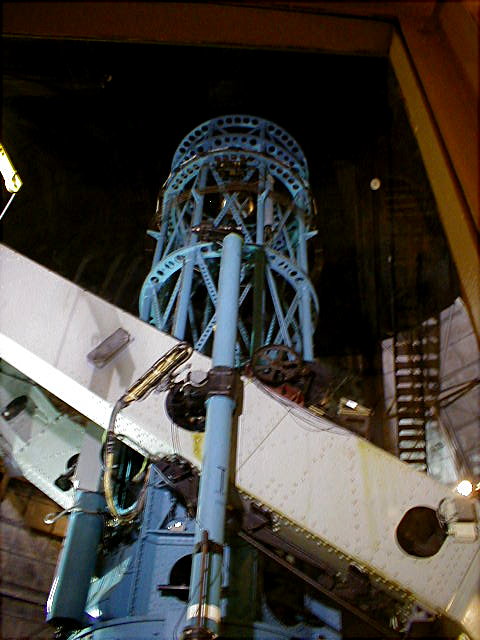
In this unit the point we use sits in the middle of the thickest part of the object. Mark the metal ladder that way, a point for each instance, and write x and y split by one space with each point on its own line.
416 368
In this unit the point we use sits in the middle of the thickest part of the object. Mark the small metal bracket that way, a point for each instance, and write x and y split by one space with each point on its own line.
208 232
209 547
109 348
197 633
51 518
223 381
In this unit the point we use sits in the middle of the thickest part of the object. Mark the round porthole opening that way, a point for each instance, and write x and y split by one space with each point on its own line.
419 533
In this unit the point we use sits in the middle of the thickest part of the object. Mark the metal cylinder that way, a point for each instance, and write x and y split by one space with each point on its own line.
206 577
68 595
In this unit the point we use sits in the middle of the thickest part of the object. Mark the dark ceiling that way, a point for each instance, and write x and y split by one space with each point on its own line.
92 128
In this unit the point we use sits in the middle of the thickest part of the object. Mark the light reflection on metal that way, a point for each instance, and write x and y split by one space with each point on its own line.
10 175
163 367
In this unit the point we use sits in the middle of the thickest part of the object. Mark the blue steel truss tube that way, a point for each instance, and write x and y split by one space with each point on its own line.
305 306
206 576
186 281
245 173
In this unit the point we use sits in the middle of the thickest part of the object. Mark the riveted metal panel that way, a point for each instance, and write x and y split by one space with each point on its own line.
331 488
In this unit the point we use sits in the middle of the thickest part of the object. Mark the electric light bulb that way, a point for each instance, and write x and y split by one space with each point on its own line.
464 488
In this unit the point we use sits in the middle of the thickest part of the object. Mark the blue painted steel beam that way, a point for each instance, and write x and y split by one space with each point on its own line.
186 280
215 467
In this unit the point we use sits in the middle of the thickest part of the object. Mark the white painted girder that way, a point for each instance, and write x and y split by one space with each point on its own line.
335 488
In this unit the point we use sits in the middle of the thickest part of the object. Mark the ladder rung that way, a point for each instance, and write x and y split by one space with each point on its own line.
411 433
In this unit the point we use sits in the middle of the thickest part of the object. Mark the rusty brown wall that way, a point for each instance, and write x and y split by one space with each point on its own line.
28 555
